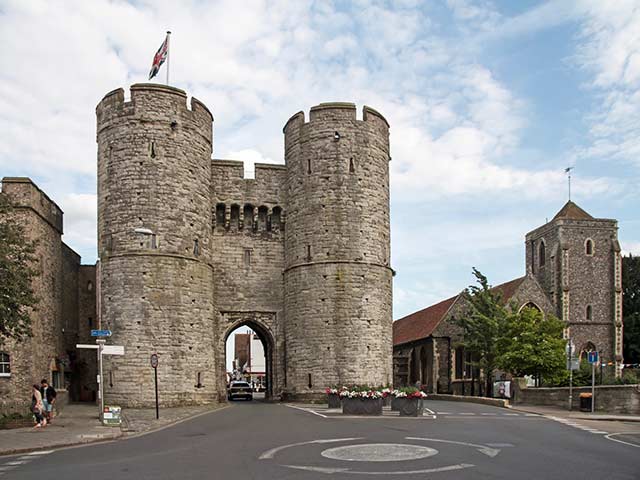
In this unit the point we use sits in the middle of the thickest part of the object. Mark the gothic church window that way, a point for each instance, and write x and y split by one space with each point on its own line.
541 253
588 247
5 365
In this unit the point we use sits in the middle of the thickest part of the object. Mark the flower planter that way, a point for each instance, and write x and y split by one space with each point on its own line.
362 406
334 400
386 401
395 404
409 407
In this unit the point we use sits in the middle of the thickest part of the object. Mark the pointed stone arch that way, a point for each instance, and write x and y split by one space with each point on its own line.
263 324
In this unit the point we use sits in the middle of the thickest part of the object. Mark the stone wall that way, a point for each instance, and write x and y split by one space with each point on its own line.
47 350
248 241
624 399
86 366
337 276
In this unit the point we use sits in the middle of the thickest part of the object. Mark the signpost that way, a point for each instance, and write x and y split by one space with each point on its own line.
102 350
593 359
154 365
572 364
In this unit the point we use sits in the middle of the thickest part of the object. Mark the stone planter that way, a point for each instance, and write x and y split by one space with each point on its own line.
333 399
362 406
386 401
410 407
395 405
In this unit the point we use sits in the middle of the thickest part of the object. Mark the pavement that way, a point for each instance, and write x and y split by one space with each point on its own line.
255 440
576 414
78 424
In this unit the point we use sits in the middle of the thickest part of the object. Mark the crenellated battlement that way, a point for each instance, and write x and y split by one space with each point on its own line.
22 192
154 102
335 112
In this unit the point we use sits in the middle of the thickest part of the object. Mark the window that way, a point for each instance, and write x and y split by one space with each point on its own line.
247 256
154 241
196 247
5 365
352 167
459 362
588 247
541 253
220 213
309 166
589 312
57 378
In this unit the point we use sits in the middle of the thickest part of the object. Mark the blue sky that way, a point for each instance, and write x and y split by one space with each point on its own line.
488 103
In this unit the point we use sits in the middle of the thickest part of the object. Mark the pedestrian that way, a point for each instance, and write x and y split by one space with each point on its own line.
48 399
37 407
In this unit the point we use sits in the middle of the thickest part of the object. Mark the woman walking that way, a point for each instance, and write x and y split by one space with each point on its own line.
37 407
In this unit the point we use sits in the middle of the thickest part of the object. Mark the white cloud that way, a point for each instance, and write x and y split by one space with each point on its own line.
631 248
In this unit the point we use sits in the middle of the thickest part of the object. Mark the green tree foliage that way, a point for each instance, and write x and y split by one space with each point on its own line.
483 324
531 344
17 298
631 308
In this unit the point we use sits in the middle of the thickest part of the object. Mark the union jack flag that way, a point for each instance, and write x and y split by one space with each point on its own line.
159 58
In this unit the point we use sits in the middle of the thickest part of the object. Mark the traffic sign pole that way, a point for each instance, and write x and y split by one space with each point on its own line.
154 365
100 343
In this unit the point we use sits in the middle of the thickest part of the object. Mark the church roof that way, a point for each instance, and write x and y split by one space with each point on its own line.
572 212
422 323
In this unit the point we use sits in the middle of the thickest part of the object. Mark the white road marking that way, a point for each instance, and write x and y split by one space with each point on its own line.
449 468
308 410
271 453
531 415
611 435
443 413
488 451
42 452
510 414
4 468
488 414
16 463
466 413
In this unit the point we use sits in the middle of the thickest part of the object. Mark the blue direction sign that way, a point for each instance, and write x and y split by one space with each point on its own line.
593 357
100 333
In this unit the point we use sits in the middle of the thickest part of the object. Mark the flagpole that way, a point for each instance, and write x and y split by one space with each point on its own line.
168 54
568 172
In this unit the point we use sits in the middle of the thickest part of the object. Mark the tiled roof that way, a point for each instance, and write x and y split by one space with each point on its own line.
573 212
422 323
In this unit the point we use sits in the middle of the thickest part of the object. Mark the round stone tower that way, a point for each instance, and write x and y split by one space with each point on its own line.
338 282
154 241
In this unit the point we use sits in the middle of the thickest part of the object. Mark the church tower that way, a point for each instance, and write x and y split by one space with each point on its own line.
576 259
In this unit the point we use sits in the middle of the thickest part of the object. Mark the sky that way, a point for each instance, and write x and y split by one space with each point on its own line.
488 102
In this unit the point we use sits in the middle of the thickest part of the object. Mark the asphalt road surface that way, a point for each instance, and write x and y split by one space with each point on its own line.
255 440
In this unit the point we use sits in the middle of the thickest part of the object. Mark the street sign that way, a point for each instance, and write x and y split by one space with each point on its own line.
154 360
573 364
592 357
113 350
106 349
100 333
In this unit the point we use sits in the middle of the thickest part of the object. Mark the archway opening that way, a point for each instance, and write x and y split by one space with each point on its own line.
248 358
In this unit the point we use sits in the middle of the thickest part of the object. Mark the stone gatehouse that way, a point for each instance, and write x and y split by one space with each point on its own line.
190 249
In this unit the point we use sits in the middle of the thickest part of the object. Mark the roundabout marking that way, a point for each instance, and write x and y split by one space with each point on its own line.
379 452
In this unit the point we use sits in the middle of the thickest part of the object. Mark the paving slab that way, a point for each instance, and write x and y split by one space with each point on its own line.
78 424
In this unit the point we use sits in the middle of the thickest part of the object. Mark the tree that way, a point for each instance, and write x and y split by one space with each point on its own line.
482 325
631 308
531 344
17 258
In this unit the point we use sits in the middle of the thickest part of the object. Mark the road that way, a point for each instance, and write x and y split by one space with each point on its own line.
255 440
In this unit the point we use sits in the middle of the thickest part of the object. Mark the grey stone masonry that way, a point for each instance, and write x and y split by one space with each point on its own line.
576 260
337 274
191 249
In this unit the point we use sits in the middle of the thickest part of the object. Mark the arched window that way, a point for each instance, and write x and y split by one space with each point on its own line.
5 365
530 305
542 253
235 216
589 312
263 212
276 218
589 347
588 247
